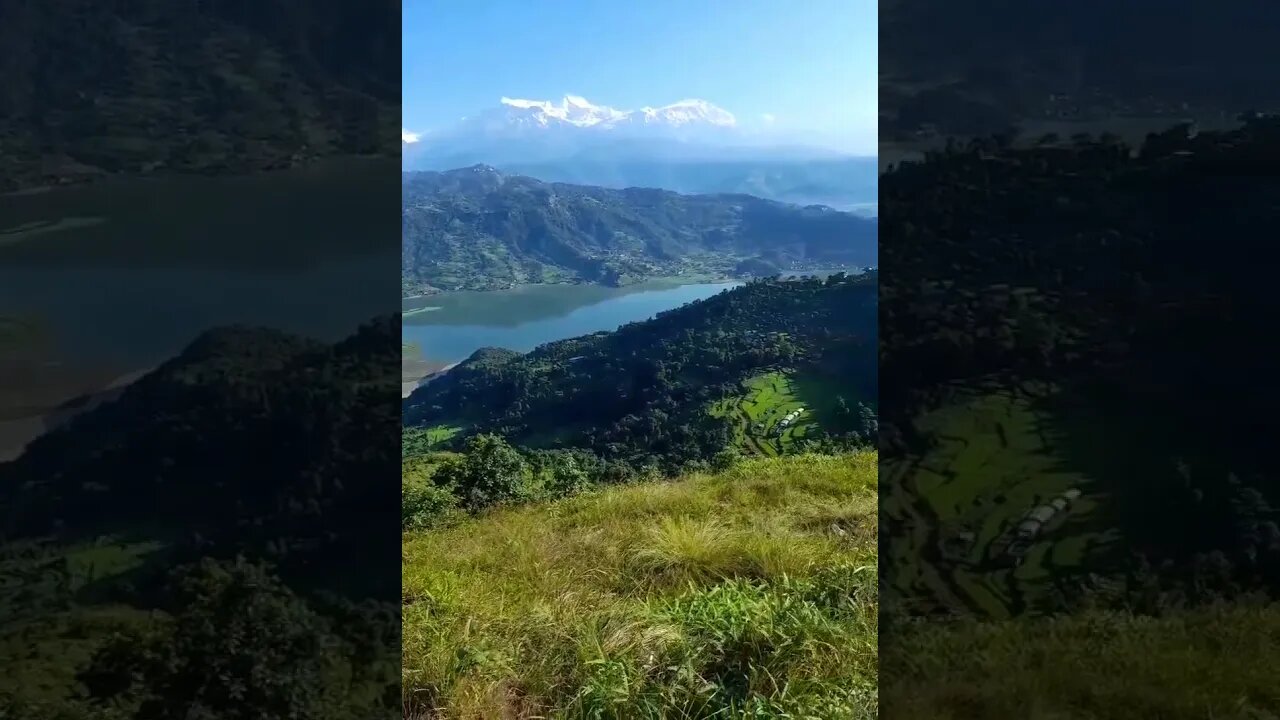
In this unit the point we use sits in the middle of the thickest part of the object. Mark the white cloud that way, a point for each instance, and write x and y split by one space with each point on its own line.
769 118
409 137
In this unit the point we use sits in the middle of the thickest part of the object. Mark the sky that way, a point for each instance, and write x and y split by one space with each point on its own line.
804 69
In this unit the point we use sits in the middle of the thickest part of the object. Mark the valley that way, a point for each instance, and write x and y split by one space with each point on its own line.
454 325
680 511
661 392
640 487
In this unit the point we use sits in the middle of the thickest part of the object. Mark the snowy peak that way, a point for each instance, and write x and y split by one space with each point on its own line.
689 111
577 111
523 130
571 110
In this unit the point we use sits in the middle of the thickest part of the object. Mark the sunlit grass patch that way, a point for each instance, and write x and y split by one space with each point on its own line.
708 597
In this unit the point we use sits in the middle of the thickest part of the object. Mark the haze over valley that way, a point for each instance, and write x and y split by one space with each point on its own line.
691 146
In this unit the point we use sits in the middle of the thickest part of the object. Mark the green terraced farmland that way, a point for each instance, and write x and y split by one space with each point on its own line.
422 440
959 505
758 414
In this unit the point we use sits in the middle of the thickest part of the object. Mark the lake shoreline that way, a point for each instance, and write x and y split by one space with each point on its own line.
530 316
407 387
656 281
522 320
64 395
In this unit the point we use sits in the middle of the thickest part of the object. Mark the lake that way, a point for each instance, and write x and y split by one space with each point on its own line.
129 271
524 318
121 275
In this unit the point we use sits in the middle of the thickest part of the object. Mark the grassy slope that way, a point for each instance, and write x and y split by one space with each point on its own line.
1212 662
746 594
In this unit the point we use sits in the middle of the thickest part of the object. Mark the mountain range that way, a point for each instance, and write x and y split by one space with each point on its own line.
572 116
199 87
689 146
479 228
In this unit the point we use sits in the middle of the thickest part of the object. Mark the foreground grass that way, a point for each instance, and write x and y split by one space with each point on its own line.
751 593
1209 662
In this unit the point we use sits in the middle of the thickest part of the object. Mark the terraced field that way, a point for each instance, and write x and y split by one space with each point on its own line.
420 440
953 511
760 414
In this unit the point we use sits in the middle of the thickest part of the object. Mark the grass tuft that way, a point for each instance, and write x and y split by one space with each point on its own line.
718 596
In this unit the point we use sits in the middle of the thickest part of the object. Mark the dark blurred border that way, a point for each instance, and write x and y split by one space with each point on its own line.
200 358
1078 488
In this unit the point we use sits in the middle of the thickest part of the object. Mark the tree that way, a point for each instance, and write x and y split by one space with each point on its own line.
843 411
238 645
423 504
490 472
564 474
868 423
726 458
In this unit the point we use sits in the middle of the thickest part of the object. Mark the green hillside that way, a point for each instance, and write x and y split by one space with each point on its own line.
1061 346
682 387
477 229
147 538
747 593
216 87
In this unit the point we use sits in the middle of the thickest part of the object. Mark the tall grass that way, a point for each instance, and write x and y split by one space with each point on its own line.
750 593
1215 662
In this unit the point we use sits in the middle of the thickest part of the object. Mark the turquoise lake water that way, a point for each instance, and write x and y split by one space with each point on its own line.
525 318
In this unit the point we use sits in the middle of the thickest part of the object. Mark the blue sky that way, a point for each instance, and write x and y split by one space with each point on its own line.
808 68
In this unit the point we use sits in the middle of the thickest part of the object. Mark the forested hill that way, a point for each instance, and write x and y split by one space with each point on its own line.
477 228
155 85
1089 282
643 394
238 491
224 430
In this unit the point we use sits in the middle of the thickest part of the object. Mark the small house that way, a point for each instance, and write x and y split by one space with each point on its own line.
1042 514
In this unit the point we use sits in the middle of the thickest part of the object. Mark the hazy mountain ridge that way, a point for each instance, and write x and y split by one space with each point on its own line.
151 86
689 146
478 228
529 119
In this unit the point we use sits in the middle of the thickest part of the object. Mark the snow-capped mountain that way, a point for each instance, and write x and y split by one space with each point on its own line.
687 146
518 130
578 113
